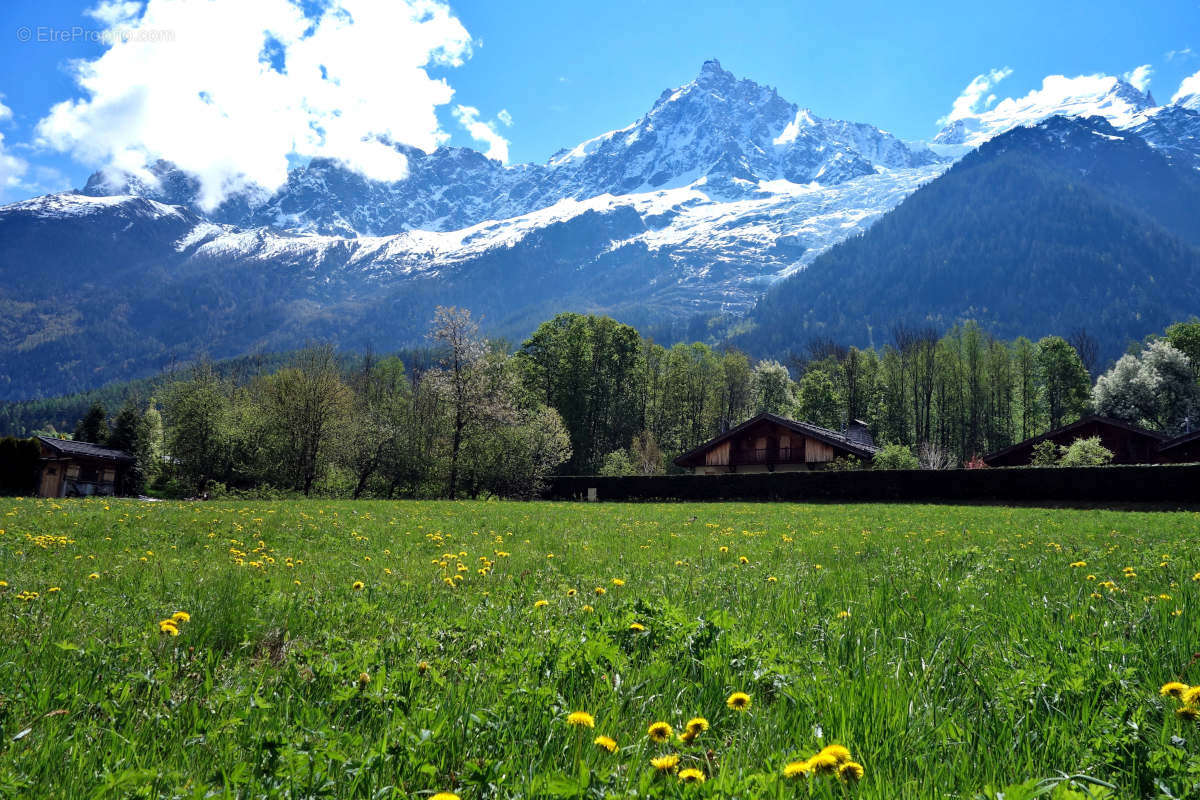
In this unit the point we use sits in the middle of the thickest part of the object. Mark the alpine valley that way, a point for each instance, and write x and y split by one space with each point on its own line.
678 224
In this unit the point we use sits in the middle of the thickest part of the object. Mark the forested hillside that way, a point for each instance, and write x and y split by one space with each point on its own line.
1041 231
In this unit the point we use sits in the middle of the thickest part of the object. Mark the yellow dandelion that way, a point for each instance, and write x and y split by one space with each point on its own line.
665 763
850 772
843 614
587 609
691 775
637 626
53 589
541 603
772 579
581 719
743 560
363 680
738 701
1075 564
1188 712
605 743
168 627
697 724
823 764
422 666
619 582
797 769
837 752
357 586
724 549
660 732
181 616
600 591
1191 696
1174 689
95 576
444 796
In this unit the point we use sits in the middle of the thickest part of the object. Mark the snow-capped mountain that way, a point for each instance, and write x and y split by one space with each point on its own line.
1116 100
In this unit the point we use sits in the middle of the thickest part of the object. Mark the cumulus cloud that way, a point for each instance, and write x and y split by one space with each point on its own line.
505 117
1189 87
968 103
12 168
485 132
230 90
1139 77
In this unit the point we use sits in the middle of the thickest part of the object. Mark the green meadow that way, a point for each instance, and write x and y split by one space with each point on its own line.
411 649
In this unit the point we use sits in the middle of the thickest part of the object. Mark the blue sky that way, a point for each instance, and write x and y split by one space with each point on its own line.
564 72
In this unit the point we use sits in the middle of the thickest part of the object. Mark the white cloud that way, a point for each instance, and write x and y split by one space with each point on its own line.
968 103
505 117
1190 86
1174 54
1139 77
237 87
115 13
481 131
12 169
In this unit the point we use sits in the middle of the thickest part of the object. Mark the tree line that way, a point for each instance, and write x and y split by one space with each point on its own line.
585 394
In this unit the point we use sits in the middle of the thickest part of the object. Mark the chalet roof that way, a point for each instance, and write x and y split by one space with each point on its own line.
1179 441
841 441
1080 423
68 447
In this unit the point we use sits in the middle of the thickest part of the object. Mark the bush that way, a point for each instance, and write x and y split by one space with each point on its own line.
1085 453
616 464
896 456
1045 454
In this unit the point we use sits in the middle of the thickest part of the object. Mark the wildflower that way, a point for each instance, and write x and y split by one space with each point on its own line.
587 609
53 589
1191 696
1078 564
422 666
601 591
743 560
772 579
839 753
168 627
659 732
95 576
444 796
691 775
605 743
541 603
724 549
738 701
637 626
181 616
363 680
581 719
1174 689
665 763
697 724
823 763
4 584
357 586
843 614
1091 577
850 772
1188 712
797 769
571 592
619 582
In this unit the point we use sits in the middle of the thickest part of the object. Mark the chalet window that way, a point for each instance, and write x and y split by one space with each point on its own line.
89 474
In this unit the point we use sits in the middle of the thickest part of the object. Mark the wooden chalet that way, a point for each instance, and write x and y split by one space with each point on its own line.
768 443
1129 444
80 469
1183 449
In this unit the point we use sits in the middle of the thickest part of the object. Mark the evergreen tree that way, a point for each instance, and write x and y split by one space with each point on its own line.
93 427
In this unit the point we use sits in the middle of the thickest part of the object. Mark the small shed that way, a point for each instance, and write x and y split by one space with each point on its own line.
1129 444
768 443
80 469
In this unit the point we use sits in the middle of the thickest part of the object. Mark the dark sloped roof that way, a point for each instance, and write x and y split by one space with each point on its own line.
825 435
85 449
1093 418
1179 441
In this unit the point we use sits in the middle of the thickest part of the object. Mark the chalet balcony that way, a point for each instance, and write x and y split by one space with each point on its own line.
763 455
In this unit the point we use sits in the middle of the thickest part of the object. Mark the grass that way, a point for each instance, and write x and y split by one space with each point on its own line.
955 651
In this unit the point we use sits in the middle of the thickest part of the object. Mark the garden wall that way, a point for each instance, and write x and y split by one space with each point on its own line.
1170 484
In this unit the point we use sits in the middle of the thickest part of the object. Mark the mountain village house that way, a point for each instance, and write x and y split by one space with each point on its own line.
80 469
768 443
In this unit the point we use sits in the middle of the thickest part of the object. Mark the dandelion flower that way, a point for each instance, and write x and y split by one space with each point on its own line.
53 589
743 560
606 743
1188 712
587 609
581 719
168 627
95 576
843 614
1191 696
850 772
571 592
444 796
357 586
772 579
823 763
738 701
660 732
363 680
601 591
1174 689
691 775
422 666
541 603
181 616
839 753
724 549
637 626
797 769
619 582
698 724
665 763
